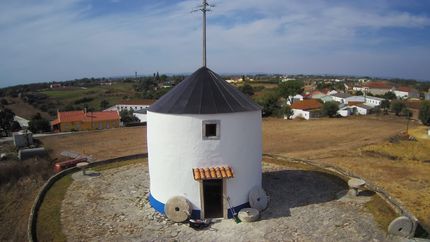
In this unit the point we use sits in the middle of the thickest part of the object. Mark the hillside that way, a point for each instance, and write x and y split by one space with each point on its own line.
69 98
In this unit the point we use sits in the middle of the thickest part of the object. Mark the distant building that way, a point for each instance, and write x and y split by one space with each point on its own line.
132 105
55 85
141 115
341 97
307 109
404 92
373 101
377 88
427 95
81 120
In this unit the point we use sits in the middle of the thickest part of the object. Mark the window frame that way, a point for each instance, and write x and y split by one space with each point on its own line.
218 129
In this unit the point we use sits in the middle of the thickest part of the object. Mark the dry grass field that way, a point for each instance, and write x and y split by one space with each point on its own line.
24 109
359 144
103 144
362 146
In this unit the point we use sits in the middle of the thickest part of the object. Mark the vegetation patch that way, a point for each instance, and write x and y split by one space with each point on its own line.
49 218
402 150
119 164
382 213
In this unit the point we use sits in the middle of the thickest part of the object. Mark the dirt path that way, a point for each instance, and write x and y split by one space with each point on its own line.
113 207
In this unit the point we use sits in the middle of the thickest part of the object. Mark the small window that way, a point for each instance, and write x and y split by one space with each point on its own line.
211 129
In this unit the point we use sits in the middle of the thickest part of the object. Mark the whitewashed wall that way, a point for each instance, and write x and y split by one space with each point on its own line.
175 146
298 113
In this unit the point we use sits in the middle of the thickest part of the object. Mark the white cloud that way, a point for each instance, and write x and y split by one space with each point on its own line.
60 39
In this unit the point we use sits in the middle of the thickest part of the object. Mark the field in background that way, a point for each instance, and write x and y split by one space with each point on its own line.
357 144
24 110
102 144
361 145
68 96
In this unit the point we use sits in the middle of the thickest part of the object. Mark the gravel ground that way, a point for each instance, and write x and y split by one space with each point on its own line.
113 206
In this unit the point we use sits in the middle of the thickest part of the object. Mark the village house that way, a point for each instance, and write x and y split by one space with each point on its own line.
82 120
404 92
373 101
427 95
306 109
341 97
131 105
377 88
354 108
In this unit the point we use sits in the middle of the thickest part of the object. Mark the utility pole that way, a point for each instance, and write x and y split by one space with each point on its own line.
205 7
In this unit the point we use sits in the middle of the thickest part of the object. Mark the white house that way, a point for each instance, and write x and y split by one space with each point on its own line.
405 92
355 99
427 96
205 145
361 109
141 115
131 105
340 97
306 109
373 101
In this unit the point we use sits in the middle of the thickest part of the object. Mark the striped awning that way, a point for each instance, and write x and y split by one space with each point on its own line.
208 173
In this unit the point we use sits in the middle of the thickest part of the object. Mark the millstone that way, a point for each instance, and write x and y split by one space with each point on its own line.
258 199
401 226
249 214
177 209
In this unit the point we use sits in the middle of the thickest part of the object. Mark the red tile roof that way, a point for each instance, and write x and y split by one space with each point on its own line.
209 173
307 104
75 116
404 89
379 85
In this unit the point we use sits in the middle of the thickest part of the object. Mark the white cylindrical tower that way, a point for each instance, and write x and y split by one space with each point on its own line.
204 143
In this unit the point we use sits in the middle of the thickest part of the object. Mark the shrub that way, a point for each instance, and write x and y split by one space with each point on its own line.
330 108
424 114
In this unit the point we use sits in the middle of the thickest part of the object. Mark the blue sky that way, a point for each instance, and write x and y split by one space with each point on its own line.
50 40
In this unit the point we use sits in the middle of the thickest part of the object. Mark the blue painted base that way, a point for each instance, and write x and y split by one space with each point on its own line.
159 207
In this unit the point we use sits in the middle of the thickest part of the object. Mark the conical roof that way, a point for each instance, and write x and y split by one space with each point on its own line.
204 92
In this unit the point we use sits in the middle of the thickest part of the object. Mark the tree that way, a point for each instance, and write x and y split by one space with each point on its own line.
397 106
359 93
287 111
39 124
104 104
330 108
390 96
4 102
247 89
385 104
291 88
6 120
424 114
269 102
127 116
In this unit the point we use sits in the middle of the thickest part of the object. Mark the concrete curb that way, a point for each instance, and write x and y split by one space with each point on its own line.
32 221
391 201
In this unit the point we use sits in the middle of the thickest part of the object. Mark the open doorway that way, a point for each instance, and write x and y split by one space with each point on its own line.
213 198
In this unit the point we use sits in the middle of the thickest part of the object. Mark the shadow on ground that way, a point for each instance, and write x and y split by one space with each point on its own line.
295 188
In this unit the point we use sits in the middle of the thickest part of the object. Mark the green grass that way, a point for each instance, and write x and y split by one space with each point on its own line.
49 218
381 212
113 94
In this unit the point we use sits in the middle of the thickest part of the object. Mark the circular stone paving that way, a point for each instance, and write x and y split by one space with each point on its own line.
113 206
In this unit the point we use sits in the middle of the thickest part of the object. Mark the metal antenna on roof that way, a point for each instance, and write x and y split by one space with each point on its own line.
205 7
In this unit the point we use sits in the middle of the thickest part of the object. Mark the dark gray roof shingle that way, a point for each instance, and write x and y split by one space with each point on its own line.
204 92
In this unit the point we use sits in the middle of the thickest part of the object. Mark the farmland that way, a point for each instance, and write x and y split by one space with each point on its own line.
358 144
73 96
